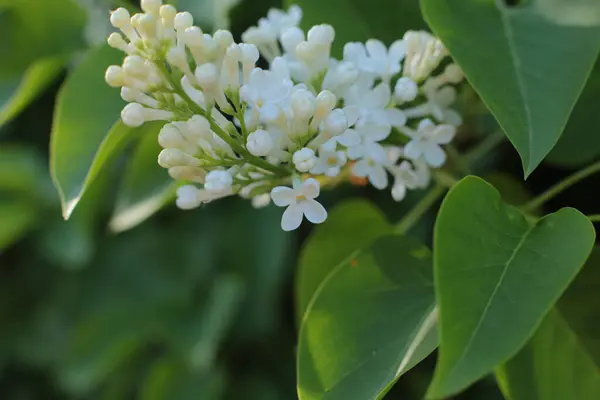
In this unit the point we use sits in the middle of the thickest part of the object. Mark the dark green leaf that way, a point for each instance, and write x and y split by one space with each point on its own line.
528 70
580 143
350 227
562 360
146 187
33 29
16 217
497 274
36 79
87 109
359 20
371 319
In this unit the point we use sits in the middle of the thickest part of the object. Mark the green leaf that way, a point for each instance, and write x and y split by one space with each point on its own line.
497 274
528 70
87 108
562 360
16 217
370 321
580 143
333 242
146 187
33 29
359 20
37 78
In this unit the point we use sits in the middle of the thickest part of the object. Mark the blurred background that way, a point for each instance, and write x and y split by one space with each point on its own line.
177 305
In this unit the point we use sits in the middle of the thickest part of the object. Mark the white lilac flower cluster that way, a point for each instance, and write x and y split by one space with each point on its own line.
303 120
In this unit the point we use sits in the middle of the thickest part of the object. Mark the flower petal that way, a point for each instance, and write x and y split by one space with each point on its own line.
378 177
413 150
349 138
361 168
283 196
399 191
376 48
397 51
395 117
434 155
444 134
292 218
314 211
310 188
352 114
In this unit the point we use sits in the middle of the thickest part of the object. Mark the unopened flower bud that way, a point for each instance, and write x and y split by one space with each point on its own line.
218 182
115 76
321 34
304 104
290 38
183 173
151 6
116 41
453 73
120 18
172 157
223 38
193 36
304 159
188 197
207 75
336 122
259 143
405 90
133 115
183 20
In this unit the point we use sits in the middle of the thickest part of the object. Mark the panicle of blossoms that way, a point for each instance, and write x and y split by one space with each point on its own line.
278 133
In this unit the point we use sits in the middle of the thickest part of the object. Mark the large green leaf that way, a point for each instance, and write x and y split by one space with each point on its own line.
87 109
371 320
496 269
359 20
562 360
36 79
527 69
580 143
33 29
350 226
146 187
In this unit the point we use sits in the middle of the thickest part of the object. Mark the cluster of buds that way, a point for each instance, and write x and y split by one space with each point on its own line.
278 133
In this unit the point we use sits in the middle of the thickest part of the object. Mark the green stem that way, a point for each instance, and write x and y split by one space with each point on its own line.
484 147
460 161
594 217
413 216
561 186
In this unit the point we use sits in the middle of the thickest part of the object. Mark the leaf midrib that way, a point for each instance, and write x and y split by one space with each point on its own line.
492 297
510 40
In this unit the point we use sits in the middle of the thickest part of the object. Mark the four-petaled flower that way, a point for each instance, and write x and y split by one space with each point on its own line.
300 202
426 142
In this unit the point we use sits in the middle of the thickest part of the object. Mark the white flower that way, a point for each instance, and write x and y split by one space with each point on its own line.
329 163
404 178
371 105
440 102
261 201
265 91
382 62
359 139
422 172
405 90
190 197
424 52
218 182
300 202
304 159
426 142
259 143
372 165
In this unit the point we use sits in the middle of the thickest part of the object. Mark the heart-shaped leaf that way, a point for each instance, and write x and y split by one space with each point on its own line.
497 274
527 69
562 360
370 320
333 242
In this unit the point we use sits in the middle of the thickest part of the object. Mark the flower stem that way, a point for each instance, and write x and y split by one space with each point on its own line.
413 216
561 186
485 146
594 217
